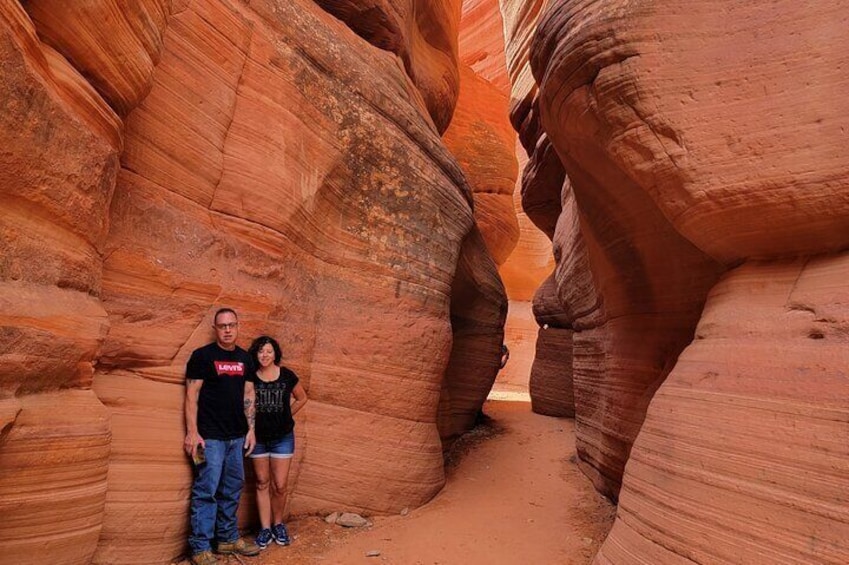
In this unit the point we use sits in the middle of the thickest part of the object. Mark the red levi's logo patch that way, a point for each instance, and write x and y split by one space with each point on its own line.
231 368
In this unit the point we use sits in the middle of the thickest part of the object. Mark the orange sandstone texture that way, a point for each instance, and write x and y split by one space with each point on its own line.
695 139
482 42
422 34
550 384
272 161
478 313
482 140
294 199
744 454
481 136
54 456
115 44
58 160
57 170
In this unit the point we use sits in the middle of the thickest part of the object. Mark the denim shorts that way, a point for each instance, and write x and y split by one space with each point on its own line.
282 448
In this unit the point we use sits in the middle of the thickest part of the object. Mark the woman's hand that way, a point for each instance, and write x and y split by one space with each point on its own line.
250 442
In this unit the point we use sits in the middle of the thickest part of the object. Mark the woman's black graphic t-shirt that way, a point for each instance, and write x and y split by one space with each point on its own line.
273 411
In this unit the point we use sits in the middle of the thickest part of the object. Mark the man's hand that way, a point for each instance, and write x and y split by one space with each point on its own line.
190 444
193 439
250 442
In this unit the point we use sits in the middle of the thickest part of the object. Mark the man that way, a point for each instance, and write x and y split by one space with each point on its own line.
219 425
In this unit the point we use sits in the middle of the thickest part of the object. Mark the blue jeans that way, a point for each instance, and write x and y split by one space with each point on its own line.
215 494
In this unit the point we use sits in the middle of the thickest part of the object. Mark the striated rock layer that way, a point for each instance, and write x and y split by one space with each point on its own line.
54 456
550 385
272 161
422 34
744 454
483 142
694 140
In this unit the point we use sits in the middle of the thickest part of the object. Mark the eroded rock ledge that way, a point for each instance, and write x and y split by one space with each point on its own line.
161 161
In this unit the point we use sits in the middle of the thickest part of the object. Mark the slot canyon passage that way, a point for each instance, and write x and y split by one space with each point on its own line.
646 201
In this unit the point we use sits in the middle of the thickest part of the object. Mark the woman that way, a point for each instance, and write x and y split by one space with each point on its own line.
279 396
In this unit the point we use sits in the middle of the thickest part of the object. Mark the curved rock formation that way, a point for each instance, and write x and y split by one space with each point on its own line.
271 161
115 44
482 43
487 150
690 148
422 33
54 456
483 142
743 457
478 314
550 384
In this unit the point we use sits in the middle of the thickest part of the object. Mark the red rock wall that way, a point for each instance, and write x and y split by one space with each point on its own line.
54 456
422 33
482 42
550 384
482 140
691 146
58 163
525 270
744 454
478 314
272 161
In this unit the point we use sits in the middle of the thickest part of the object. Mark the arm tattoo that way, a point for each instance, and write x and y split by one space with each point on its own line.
250 412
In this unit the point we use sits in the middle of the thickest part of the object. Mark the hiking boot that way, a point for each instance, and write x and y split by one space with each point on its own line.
239 547
263 538
281 536
204 558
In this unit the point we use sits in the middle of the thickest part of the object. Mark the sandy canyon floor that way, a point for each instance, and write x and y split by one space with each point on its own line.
513 496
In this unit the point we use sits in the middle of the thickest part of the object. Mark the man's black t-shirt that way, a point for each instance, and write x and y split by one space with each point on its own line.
273 411
221 409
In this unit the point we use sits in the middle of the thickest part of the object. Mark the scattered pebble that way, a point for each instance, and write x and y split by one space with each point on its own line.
331 518
405 511
373 553
351 520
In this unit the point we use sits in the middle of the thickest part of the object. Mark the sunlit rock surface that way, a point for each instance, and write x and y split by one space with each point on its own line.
482 140
522 253
482 42
262 157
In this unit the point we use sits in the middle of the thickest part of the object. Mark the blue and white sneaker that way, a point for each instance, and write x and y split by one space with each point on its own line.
263 538
281 536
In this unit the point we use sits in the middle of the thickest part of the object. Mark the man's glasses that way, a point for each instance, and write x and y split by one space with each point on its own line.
230 326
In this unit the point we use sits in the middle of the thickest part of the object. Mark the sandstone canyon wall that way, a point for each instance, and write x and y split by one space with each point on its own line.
161 159
527 260
686 160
